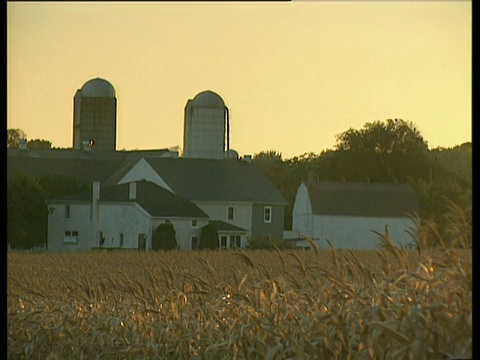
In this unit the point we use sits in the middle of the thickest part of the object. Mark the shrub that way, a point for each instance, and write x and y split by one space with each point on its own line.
209 237
164 237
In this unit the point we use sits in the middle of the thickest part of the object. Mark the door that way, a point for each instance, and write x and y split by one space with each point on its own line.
142 242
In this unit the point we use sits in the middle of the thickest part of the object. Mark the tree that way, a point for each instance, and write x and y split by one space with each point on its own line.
26 213
14 136
383 151
209 237
164 237
39 144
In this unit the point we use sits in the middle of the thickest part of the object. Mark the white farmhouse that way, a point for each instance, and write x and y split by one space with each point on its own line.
235 192
234 195
346 213
125 216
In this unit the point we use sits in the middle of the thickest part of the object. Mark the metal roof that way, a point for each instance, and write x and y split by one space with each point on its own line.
97 88
155 200
97 165
207 99
222 226
217 180
362 199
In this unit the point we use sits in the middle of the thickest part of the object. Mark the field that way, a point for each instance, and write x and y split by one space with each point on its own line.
322 304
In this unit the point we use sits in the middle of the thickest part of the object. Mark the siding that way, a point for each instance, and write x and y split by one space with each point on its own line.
242 213
79 221
128 219
355 232
273 229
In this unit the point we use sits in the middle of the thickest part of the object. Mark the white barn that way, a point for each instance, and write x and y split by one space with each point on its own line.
346 213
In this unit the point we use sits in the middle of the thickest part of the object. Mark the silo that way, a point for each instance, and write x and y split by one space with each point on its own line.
206 127
95 115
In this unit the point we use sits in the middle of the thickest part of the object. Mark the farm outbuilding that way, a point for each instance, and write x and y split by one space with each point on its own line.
348 214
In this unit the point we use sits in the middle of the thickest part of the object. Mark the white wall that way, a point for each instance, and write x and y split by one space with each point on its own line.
302 212
355 232
129 219
80 220
143 171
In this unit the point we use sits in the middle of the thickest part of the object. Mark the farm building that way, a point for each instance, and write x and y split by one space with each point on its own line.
125 216
233 191
189 193
346 213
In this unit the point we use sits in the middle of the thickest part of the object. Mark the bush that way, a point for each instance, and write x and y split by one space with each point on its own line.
209 237
164 237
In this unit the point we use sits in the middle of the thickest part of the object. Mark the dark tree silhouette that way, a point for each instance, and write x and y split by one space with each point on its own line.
209 237
164 237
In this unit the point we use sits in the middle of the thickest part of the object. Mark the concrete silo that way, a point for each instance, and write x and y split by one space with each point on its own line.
95 115
206 127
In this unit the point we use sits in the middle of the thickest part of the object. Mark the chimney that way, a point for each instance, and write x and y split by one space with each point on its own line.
95 192
132 190
94 212
247 158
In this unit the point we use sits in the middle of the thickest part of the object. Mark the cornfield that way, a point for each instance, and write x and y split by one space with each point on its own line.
319 304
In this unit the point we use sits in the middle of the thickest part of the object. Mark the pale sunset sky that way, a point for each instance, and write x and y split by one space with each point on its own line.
293 74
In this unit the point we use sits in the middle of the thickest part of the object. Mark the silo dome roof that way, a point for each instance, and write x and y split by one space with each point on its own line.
208 99
98 88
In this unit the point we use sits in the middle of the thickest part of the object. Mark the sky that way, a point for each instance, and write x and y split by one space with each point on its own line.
293 74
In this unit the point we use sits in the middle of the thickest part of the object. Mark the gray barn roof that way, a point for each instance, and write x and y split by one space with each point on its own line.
217 180
362 199
97 165
155 200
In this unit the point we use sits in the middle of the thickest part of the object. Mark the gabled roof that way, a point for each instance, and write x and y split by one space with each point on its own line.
97 165
223 226
362 199
216 180
155 200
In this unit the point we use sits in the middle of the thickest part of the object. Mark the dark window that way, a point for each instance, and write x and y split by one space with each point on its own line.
121 239
71 237
67 211
223 242
235 241
267 214
230 213
195 243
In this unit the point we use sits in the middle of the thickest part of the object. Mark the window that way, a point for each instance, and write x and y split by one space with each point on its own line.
267 214
195 243
235 241
230 213
71 237
194 223
67 211
121 239
167 221
223 242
